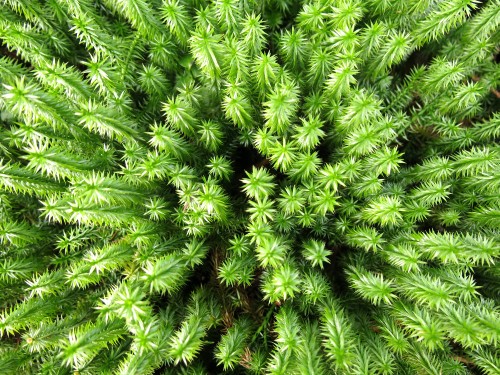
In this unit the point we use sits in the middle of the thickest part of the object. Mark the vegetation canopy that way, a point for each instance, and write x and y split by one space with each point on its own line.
249 187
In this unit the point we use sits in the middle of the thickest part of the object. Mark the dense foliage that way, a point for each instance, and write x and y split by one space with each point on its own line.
246 186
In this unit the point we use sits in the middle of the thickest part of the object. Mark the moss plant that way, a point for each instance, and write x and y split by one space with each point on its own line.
249 187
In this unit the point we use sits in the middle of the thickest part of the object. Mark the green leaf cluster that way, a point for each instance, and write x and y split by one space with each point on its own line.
241 186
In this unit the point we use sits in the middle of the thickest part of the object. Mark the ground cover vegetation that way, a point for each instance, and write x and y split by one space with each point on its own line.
249 187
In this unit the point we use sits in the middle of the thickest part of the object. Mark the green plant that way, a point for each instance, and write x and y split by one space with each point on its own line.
243 186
